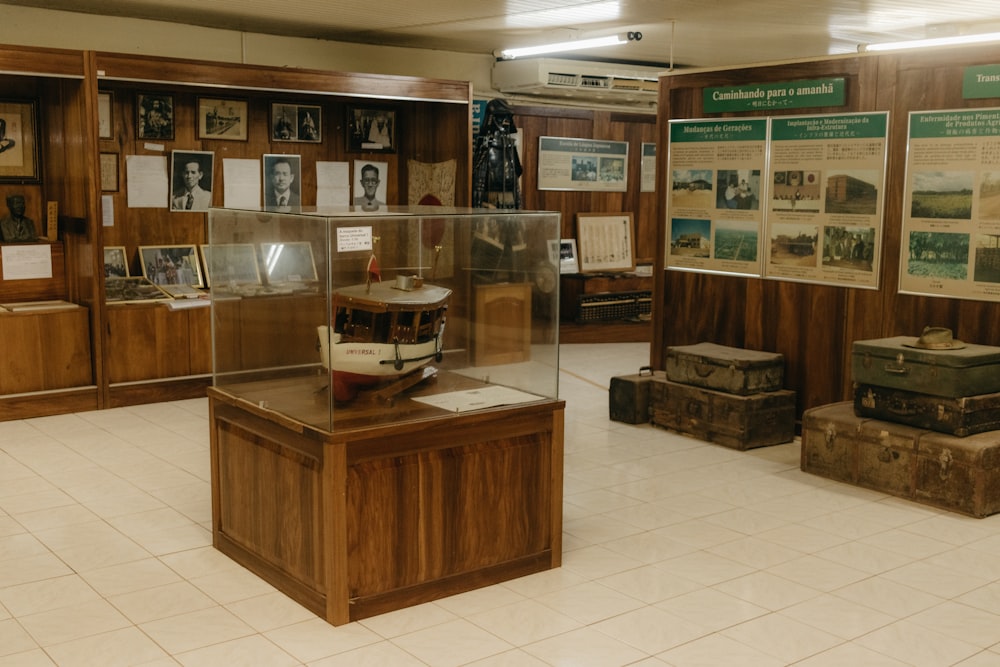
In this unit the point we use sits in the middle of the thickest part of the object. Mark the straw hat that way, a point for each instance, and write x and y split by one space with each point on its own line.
936 338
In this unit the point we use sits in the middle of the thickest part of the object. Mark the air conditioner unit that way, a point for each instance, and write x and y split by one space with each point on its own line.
551 77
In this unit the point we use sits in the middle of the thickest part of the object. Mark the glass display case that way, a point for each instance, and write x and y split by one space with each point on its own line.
345 319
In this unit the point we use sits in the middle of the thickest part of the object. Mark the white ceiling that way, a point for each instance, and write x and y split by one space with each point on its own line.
706 33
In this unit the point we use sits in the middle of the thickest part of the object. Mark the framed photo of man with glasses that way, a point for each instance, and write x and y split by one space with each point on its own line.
370 178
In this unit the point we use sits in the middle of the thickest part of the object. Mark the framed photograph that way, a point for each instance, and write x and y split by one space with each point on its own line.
171 265
282 176
109 172
191 180
222 118
370 178
105 120
606 241
371 130
562 253
115 262
288 262
154 116
18 142
230 264
296 122
134 289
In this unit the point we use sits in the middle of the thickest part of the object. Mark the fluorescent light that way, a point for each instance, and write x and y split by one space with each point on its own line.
934 41
574 45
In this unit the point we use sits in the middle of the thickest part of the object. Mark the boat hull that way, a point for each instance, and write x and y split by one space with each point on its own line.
356 365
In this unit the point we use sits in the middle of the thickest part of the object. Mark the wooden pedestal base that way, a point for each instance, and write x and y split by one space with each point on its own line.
366 520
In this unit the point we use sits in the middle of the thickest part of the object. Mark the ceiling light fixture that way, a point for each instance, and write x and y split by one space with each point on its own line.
574 45
933 41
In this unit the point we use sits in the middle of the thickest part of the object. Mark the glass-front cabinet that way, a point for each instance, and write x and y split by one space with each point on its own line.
344 319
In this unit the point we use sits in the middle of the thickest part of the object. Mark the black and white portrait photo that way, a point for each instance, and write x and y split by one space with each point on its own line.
191 180
282 182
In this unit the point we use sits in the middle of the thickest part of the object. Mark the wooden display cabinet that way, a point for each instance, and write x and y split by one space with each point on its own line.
503 324
46 361
377 516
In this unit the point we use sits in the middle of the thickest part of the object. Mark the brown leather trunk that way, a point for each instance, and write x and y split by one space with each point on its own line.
628 397
961 474
728 369
739 422
956 416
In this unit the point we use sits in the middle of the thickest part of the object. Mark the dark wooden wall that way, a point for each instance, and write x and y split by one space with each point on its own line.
814 326
634 128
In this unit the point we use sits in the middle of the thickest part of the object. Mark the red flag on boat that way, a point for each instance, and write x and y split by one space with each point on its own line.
373 270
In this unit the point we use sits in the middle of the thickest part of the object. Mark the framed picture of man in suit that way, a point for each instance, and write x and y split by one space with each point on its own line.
282 182
191 182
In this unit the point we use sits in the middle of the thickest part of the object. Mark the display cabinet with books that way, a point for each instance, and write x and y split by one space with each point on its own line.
349 375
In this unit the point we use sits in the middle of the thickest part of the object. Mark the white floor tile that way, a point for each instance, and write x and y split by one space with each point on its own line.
676 553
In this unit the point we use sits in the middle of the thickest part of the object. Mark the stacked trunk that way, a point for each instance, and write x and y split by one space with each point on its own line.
726 395
954 391
923 425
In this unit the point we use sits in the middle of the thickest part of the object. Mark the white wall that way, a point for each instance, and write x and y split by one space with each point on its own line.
27 26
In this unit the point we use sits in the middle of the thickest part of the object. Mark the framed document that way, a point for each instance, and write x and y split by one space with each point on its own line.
607 242
109 172
104 117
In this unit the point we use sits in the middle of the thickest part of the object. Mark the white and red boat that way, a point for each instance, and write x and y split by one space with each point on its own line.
382 331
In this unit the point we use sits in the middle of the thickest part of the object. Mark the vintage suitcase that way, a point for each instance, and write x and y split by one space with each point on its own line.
838 444
959 474
628 397
830 442
956 416
740 422
943 470
953 372
728 369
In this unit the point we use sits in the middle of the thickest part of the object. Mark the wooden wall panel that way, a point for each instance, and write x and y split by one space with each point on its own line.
46 350
814 326
806 323
634 128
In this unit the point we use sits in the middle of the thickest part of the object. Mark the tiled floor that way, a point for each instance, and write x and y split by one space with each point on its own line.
677 552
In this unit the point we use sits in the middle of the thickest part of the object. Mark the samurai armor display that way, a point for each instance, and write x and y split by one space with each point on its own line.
628 398
728 369
956 416
739 422
900 363
961 474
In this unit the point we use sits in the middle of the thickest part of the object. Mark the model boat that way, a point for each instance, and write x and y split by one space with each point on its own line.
382 331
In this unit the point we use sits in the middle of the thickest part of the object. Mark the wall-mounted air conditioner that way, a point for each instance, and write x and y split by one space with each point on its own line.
552 77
